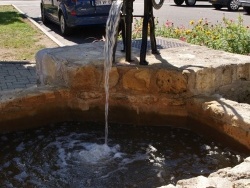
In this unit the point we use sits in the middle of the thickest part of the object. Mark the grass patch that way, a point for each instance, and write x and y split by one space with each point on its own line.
19 40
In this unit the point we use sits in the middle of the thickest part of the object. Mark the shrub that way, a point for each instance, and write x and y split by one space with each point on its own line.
230 36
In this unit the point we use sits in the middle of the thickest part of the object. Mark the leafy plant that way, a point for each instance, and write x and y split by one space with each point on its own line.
231 36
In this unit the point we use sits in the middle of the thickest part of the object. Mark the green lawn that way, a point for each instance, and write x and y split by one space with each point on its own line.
20 40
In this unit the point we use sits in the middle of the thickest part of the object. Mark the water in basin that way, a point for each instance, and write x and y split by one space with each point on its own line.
73 154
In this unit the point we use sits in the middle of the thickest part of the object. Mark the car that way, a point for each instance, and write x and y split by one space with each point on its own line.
232 5
246 5
189 3
73 13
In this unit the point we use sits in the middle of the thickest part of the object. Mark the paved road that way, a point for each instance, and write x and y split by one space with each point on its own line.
182 15
179 15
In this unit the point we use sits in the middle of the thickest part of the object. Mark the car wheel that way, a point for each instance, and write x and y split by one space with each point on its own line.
217 6
190 3
43 17
65 30
233 5
157 4
247 9
178 2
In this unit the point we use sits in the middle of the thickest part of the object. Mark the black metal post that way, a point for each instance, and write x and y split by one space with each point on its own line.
144 42
152 31
148 20
128 28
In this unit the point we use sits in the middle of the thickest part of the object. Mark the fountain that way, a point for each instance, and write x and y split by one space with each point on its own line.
157 114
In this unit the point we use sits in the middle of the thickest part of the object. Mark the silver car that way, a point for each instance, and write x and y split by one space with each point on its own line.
232 5
246 5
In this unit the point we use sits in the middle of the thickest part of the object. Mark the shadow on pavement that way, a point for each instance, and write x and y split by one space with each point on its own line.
195 6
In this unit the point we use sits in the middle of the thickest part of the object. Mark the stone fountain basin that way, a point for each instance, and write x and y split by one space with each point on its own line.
191 86
181 84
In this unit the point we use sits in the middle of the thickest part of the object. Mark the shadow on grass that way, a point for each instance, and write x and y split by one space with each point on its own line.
10 17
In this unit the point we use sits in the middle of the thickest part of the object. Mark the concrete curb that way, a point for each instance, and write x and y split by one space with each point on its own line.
39 27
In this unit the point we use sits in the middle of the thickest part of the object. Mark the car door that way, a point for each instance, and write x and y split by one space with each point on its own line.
54 9
47 5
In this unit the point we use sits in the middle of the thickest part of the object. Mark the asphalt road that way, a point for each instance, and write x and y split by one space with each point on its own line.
179 15
182 15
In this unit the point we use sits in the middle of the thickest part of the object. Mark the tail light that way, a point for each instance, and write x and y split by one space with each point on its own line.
73 13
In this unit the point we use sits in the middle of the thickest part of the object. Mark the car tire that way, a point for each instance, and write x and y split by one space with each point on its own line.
178 2
65 30
43 17
190 3
247 9
217 6
233 5
157 4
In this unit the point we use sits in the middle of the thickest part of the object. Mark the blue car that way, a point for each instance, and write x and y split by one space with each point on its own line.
74 13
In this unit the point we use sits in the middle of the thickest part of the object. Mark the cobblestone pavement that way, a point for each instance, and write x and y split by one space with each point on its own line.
17 76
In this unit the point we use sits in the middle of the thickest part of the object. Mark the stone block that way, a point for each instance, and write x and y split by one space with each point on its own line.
243 72
85 78
136 79
169 81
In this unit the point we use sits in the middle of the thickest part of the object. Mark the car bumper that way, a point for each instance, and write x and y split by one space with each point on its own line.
244 3
219 2
75 21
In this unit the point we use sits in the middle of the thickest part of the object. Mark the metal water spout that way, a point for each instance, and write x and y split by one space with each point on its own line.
148 20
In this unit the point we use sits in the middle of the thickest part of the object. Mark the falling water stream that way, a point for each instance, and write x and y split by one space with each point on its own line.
111 36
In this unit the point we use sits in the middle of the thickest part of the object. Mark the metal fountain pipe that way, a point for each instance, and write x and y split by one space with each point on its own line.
128 28
148 19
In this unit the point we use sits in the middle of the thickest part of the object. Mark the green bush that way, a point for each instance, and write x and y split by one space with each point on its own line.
230 36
